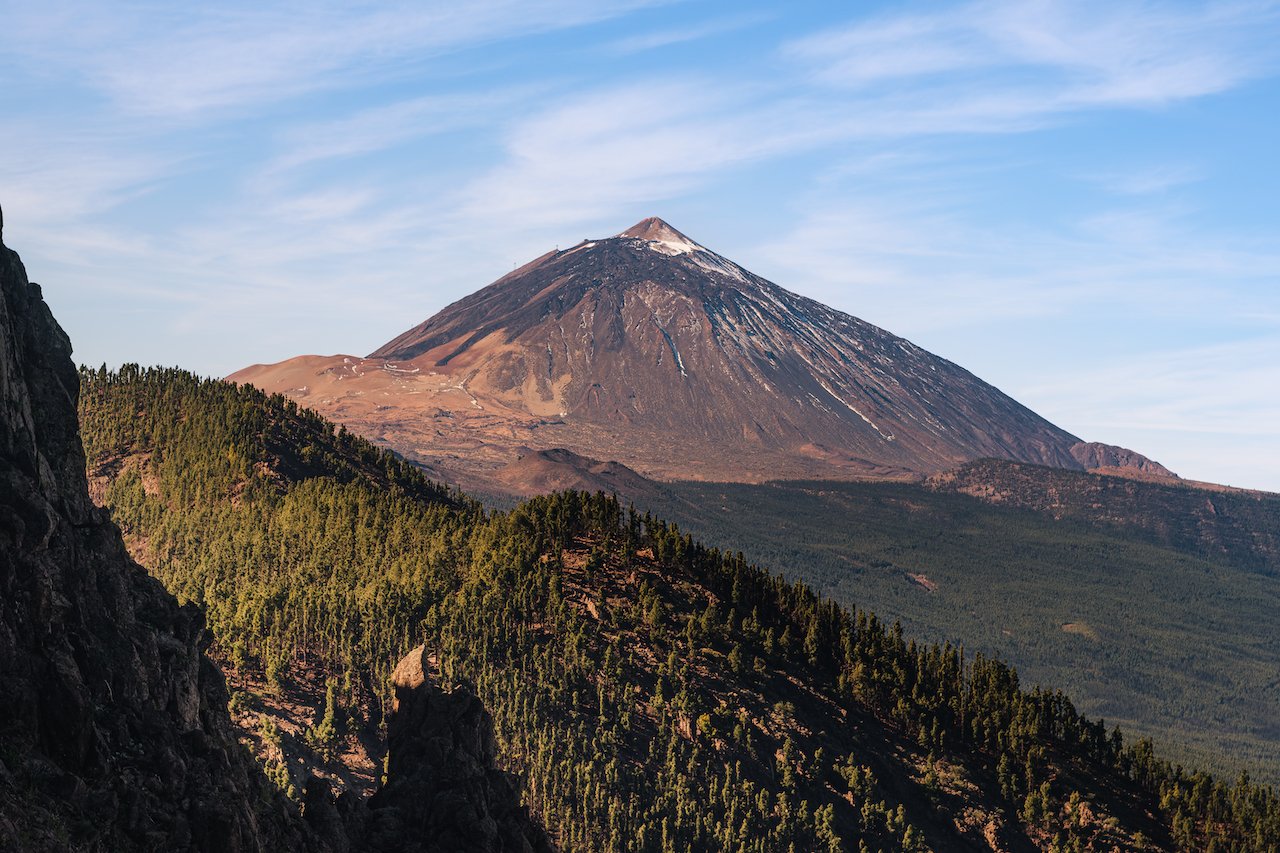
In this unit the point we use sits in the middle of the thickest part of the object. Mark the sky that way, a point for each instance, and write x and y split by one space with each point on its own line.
1077 201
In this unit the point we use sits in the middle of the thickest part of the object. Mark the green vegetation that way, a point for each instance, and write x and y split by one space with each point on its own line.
654 694
1147 634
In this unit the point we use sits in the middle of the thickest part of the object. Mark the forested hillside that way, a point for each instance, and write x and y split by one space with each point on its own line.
1149 631
654 694
115 725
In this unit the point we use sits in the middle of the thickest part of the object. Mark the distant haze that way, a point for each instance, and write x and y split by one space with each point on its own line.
1075 201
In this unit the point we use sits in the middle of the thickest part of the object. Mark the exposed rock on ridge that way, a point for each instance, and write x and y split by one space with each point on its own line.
1108 457
1235 526
443 791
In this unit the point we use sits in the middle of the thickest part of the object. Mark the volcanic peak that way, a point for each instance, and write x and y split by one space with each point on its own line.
652 350
667 240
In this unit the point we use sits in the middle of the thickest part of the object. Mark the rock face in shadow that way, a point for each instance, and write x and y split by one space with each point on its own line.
114 733
443 793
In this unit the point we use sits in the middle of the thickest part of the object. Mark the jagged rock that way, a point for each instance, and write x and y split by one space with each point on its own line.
322 812
443 791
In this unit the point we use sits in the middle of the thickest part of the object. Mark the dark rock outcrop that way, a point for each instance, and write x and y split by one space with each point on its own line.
114 731
444 793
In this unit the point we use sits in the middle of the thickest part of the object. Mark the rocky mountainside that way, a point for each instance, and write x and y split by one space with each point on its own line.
114 730
115 733
651 350
1107 458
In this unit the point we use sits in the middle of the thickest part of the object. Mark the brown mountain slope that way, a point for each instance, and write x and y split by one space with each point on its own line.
1232 526
649 349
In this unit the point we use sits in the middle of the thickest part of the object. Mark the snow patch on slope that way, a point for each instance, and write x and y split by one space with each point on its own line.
675 353
852 408
711 262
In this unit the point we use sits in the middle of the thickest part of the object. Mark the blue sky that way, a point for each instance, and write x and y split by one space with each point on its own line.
1079 202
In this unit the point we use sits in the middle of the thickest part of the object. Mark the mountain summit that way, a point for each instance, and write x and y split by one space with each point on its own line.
652 350
654 230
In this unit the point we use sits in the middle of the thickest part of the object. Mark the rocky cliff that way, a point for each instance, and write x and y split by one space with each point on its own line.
444 793
113 726
114 732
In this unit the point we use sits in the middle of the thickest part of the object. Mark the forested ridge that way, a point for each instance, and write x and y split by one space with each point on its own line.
1163 639
653 693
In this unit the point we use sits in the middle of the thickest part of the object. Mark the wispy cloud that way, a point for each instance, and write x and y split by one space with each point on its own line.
187 62
654 39
1148 179
313 177
921 267
1202 410
1198 388
56 178
1082 53
375 129
1048 56
985 68
619 147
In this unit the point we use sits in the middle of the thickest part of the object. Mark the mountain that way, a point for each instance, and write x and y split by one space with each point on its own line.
652 692
651 350
114 724
1109 459
1235 527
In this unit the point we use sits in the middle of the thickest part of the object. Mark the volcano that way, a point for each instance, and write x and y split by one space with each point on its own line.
651 350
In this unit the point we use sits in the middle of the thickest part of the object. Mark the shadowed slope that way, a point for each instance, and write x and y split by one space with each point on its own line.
113 724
